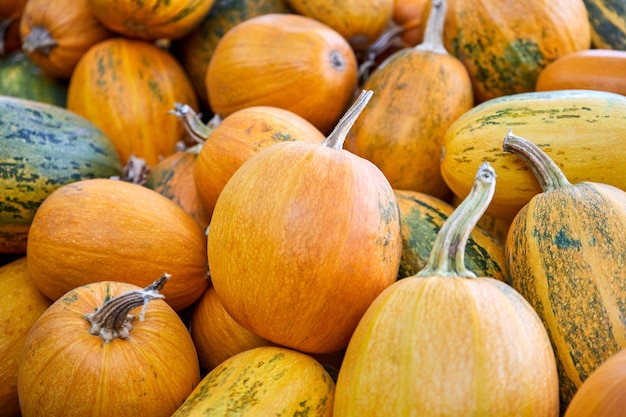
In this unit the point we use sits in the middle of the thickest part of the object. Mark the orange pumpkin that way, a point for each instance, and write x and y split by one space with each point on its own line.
56 34
115 230
418 93
216 335
89 354
590 69
360 22
306 234
10 14
505 44
151 19
408 13
236 138
22 304
283 60
127 87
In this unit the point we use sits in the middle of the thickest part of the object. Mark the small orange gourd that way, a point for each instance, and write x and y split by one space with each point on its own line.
302 239
127 87
22 304
107 349
56 34
418 93
105 229
283 60
234 139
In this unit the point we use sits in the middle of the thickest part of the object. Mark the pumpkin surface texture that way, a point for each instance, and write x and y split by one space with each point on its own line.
43 147
263 381
115 230
283 60
94 352
608 23
297 257
22 304
590 150
400 131
566 254
447 343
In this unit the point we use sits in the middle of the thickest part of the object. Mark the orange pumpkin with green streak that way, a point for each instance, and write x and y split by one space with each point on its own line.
504 45
566 254
263 381
421 217
127 87
196 48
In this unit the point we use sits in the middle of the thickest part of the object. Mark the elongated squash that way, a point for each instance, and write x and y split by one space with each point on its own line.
43 147
590 69
582 130
566 254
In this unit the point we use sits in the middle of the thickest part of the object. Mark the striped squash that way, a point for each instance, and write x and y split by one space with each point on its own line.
608 23
263 381
421 217
591 150
566 254
43 147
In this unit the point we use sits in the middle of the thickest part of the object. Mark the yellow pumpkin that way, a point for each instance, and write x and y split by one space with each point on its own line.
89 354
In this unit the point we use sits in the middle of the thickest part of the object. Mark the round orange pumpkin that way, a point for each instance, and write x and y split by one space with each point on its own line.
56 34
22 304
102 229
107 349
303 237
151 19
127 87
283 60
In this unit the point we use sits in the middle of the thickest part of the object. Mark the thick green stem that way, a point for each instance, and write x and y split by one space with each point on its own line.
113 320
447 257
338 136
192 122
548 173
433 34
39 39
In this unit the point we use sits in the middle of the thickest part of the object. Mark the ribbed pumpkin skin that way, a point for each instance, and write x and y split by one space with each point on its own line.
216 335
602 394
504 45
66 371
114 230
151 19
589 69
421 216
43 147
314 254
70 23
608 23
173 177
360 22
263 381
398 130
22 304
126 87
592 149
239 136
566 254
283 60
448 346
196 48
20 77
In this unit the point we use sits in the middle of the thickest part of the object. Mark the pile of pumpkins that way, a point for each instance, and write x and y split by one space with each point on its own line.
321 208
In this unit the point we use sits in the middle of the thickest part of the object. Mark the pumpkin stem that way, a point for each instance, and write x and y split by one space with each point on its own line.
548 173
192 122
433 34
113 320
447 257
39 39
338 136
